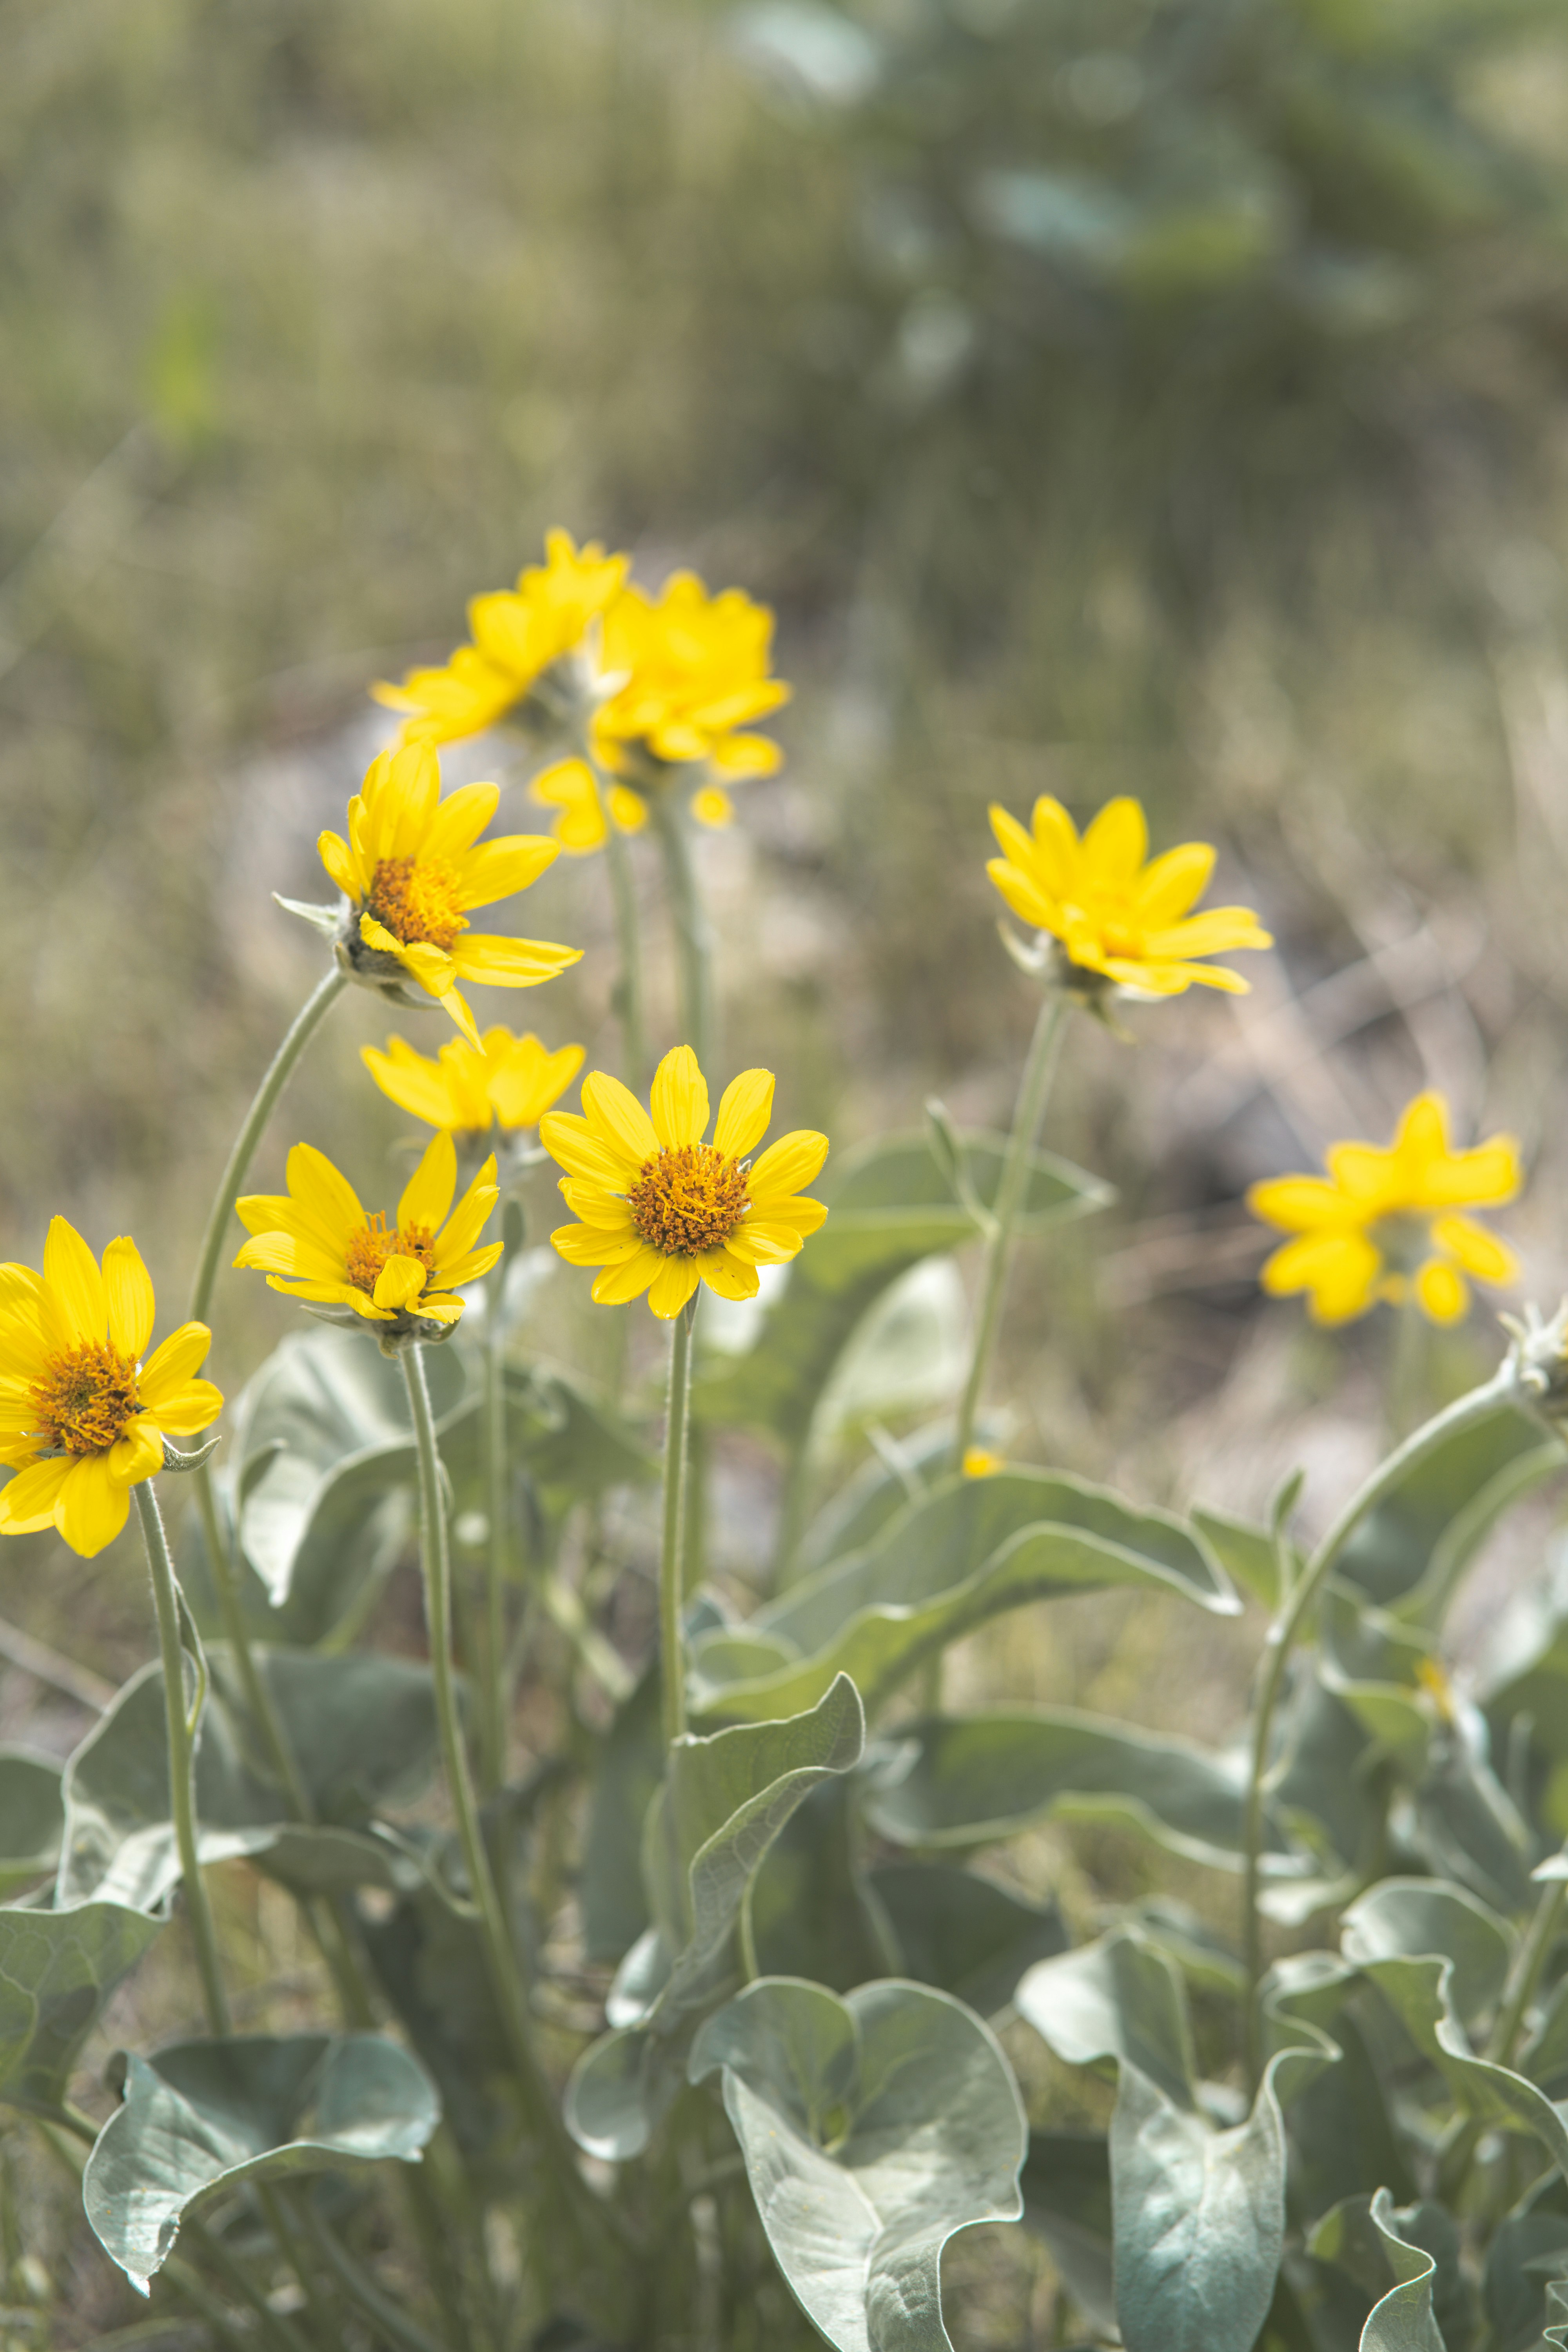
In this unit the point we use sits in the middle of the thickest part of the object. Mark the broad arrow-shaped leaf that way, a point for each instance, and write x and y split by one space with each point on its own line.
872 2127
31 1817
57 1969
205 2116
1367 2238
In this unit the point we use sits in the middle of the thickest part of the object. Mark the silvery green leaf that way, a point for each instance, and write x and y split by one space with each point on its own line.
57 1969
873 2127
1364 2238
327 920
31 1817
204 2116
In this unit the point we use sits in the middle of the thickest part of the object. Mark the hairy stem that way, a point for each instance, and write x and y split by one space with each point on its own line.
1286 1630
623 892
693 931
671 1648
181 1755
1033 1092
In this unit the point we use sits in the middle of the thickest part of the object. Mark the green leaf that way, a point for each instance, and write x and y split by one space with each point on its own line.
57 1969
873 2128
815 1912
32 1817
965 1934
203 2117
875 1493
1116 2002
964 1781
1246 1553
1364 2238
1413 1549
969 1550
363 1732
1530 2247
890 1206
1423 1918
626 1781
1066 2202
724 1802
568 1447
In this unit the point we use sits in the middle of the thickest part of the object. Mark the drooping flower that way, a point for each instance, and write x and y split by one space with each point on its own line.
660 1209
504 1080
82 1418
518 634
1115 917
694 678
317 1243
1386 1223
412 867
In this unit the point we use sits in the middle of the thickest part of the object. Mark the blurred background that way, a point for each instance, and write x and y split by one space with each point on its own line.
1148 395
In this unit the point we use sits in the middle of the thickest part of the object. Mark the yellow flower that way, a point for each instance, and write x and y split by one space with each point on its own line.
1384 1222
980 1462
517 635
82 1419
317 1243
468 1088
694 672
661 1210
1115 915
410 869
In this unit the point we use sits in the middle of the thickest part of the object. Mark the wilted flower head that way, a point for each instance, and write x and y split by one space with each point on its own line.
1384 1223
82 1419
1116 919
410 870
662 1211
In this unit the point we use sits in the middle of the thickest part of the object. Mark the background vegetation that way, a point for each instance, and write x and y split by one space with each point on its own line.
1161 396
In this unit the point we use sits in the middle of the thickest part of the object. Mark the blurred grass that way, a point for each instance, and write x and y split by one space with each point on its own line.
1162 398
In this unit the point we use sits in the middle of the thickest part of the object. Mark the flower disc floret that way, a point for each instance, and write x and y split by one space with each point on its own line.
1117 916
83 1418
412 867
660 1209
317 1243
1386 1223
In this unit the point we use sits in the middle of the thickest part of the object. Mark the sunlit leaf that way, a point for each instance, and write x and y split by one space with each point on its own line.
57 1968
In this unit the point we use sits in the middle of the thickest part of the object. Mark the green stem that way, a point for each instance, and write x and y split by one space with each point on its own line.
693 931
582 2211
671 1648
623 892
1033 1092
361 2289
493 1678
1285 1631
306 1022
1525 1976
182 1755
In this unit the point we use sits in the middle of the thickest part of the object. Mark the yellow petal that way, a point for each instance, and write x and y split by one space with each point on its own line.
745 1110
1217 931
129 1288
672 1286
459 823
757 1243
93 1505
169 1368
1482 1178
496 962
1422 1136
496 869
435 1306
628 809
1300 1204
428 1195
731 1277
712 806
341 865
183 1410
593 1245
621 1283
1480 1252
1170 884
325 1194
572 1143
399 1283
1023 895
523 1088
794 1160
678 1105
595 1205
76 1309
28 1501
798 1214
1115 844
468 1220
1058 852
1012 838
1339 1270
1441 1290
453 1002
422 1088
472 1268
138 1453
619 1117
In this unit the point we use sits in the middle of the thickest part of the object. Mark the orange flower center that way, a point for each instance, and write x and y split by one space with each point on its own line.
370 1248
86 1398
689 1201
419 900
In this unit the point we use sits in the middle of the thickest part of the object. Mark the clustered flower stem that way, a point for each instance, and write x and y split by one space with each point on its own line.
182 1755
629 940
1286 1630
1033 1093
671 1577
579 2208
693 930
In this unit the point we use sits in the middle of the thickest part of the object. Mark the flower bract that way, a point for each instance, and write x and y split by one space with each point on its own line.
317 1243
82 1418
660 1209
1118 914
1387 1224
518 632
412 867
503 1081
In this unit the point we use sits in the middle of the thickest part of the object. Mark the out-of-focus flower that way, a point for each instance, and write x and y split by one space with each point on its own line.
661 1210
504 1080
317 1243
980 1462
1115 918
1386 1223
412 867
518 634
82 1419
